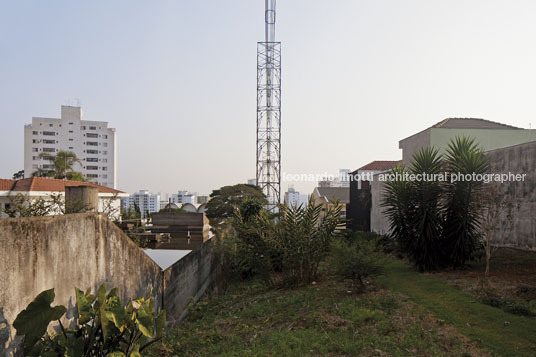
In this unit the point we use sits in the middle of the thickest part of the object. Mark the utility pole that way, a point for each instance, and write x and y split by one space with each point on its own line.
269 110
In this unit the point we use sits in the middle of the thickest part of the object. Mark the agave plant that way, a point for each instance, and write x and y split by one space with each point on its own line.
461 225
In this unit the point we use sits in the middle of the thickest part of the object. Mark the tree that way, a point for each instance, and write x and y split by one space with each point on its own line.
461 223
63 164
496 217
435 221
18 175
413 210
226 200
23 206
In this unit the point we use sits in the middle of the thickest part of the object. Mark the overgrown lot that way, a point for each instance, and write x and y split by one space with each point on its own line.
323 319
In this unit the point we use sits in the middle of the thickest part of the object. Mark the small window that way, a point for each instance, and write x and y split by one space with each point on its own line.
35 150
71 139
92 167
35 141
104 168
92 159
49 133
92 128
70 131
34 132
51 125
92 143
70 147
105 136
82 128
70 123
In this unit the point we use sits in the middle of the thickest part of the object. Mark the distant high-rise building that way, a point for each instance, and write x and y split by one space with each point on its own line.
184 197
146 201
293 198
93 142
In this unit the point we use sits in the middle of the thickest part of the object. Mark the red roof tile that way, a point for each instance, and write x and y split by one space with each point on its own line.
6 184
49 184
379 166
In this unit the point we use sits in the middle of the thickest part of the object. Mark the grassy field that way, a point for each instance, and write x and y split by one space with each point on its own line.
320 320
503 333
405 313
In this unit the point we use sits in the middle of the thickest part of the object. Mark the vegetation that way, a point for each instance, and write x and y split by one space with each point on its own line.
104 326
316 320
435 222
357 259
63 164
225 201
288 250
501 332
21 205
18 175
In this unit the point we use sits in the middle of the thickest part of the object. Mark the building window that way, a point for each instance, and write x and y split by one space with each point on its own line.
105 144
104 168
35 157
104 160
92 159
82 128
105 152
104 176
70 123
92 167
92 128
92 135
70 131
34 132
92 151
35 150
50 125
49 150
70 147
92 143
35 141
49 133
45 141
105 136
92 175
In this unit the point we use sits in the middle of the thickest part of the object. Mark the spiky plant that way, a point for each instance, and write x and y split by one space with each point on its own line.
413 209
461 223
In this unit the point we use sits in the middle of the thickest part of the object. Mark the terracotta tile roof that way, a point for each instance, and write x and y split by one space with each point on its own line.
6 184
50 185
379 166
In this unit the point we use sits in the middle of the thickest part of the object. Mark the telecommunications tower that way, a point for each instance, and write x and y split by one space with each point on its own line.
269 110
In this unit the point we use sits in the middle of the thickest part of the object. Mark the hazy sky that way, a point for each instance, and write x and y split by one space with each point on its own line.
177 79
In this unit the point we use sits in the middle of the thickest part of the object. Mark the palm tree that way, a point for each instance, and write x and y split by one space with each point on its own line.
63 163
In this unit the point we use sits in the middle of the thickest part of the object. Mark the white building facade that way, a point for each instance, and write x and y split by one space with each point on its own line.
294 199
146 201
93 142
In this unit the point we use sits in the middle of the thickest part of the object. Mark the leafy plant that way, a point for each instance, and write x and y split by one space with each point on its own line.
357 260
103 325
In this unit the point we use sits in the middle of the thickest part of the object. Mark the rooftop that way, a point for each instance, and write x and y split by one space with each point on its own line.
379 165
47 185
340 194
471 123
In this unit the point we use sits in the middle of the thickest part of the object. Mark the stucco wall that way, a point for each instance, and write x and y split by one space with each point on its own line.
519 159
85 250
413 144
188 279
378 221
64 252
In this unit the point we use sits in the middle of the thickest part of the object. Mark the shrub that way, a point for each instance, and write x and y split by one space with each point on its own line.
103 326
357 260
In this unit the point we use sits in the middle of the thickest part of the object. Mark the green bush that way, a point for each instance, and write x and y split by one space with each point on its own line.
103 325
357 260
511 306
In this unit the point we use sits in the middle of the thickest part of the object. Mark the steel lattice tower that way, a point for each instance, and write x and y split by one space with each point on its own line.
269 110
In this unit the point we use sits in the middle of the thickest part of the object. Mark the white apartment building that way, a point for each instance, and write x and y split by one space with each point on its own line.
146 201
184 197
93 142
294 199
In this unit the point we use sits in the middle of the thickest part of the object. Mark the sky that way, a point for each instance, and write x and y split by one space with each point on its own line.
177 79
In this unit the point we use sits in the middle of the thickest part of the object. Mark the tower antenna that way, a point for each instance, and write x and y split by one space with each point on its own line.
269 110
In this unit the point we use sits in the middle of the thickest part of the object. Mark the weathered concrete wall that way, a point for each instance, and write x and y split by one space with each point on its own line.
517 159
85 250
189 278
378 220
64 252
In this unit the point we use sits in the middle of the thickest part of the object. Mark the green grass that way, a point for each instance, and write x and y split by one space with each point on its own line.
319 320
493 329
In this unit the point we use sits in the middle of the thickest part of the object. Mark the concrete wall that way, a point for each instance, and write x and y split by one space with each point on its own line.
85 250
378 221
64 252
413 144
188 278
518 159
